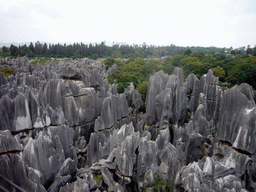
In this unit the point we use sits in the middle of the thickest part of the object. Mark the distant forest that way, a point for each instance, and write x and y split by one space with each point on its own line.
100 50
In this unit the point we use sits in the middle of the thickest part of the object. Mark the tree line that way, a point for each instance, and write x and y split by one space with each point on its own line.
100 50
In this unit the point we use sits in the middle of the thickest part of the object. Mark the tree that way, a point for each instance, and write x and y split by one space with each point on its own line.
219 72
167 65
238 74
14 50
5 49
249 50
254 50
44 49
233 52
199 55
109 62
31 48
176 60
193 65
142 88
188 52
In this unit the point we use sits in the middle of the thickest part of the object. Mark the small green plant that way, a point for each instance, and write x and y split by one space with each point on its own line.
98 177
39 60
188 117
7 72
158 185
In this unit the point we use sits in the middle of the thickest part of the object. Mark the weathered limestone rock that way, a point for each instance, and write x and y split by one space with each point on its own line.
79 186
38 103
146 158
3 80
114 108
46 153
197 148
51 93
232 159
167 102
70 111
67 170
108 179
212 92
6 113
65 134
205 176
133 97
22 118
179 73
93 151
169 163
59 182
8 143
156 85
35 111
42 155
199 123
193 91
68 72
125 156
22 175
237 120
88 104
164 105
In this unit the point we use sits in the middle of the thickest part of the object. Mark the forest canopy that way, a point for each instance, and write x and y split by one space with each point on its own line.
100 50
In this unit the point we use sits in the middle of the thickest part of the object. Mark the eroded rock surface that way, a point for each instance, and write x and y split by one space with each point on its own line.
64 128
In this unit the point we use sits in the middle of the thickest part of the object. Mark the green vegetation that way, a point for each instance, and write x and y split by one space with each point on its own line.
39 60
110 61
159 185
219 72
101 50
98 177
137 71
7 72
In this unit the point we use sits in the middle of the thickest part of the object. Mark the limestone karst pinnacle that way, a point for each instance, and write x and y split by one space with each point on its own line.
64 128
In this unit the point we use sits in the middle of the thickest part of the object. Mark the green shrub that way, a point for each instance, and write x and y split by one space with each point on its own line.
7 72
159 185
98 177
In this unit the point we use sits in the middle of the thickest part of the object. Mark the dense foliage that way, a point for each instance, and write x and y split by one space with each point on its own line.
99 50
159 185
7 72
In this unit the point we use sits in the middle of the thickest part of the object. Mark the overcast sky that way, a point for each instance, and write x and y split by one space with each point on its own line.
220 23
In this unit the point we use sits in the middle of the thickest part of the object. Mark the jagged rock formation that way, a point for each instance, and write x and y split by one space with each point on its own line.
64 128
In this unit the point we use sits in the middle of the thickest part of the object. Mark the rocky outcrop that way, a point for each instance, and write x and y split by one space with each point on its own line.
2 79
208 175
237 118
16 170
64 128
8 143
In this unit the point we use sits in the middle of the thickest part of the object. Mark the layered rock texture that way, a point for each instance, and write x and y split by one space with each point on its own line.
64 128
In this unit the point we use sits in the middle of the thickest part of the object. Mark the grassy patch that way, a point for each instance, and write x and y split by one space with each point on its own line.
98 177
158 185
7 72
39 60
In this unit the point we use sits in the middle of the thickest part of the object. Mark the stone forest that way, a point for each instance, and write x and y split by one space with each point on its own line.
63 127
